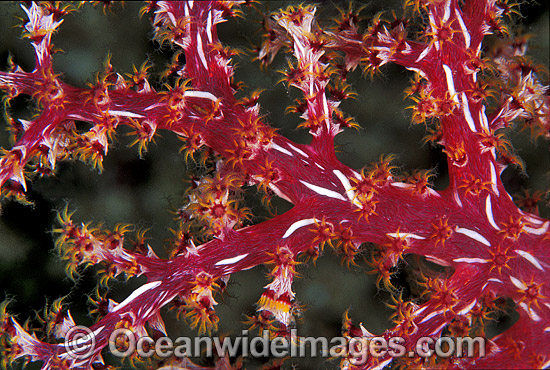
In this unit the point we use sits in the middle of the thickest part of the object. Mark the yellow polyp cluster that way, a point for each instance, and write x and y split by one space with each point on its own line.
83 245
138 77
481 93
441 33
512 228
381 264
295 14
98 94
324 233
268 174
93 145
175 98
345 244
419 6
531 294
214 204
252 133
210 112
14 161
428 108
166 31
495 16
528 201
492 140
313 123
200 303
483 311
403 314
144 134
457 154
424 107
395 247
8 349
398 41
193 142
473 185
48 90
173 67
421 179
459 327
443 295
54 319
239 153
252 100
366 187
442 231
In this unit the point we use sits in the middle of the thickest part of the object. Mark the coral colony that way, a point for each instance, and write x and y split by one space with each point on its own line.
465 97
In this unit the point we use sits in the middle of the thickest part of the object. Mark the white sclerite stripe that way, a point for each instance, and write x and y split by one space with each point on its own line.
447 13
530 258
383 364
430 316
494 178
436 260
347 185
281 149
419 311
279 193
439 328
471 260
323 191
139 291
149 310
405 235
530 312
457 199
518 283
124 113
473 235
467 113
450 82
326 111
402 185
495 280
298 224
483 118
200 94
489 212
201 52
297 150
230 261
539 231
423 54
465 32
209 26
154 106
534 220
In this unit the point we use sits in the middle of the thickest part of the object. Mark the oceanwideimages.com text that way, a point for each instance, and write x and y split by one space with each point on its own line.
124 343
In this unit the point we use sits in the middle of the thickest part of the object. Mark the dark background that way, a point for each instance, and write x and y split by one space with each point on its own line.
143 191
